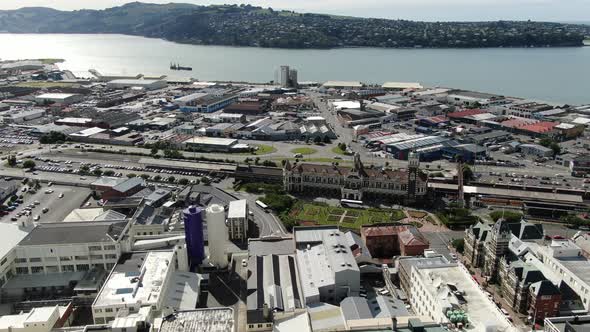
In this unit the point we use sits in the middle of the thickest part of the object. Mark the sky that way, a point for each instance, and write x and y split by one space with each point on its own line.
425 10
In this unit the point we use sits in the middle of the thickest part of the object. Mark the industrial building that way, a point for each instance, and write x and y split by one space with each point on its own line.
139 284
207 101
211 144
143 84
237 220
58 98
22 116
70 247
327 269
202 320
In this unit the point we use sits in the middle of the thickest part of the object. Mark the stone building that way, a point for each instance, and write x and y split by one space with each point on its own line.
475 237
358 182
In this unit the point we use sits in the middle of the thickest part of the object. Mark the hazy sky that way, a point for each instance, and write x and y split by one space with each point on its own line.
430 10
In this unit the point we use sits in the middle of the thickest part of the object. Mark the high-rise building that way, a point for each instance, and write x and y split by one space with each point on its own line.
237 220
284 76
193 228
287 77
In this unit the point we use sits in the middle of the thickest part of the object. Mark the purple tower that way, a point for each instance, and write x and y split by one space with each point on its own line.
193 229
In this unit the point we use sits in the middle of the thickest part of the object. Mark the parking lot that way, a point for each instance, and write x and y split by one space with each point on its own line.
48 203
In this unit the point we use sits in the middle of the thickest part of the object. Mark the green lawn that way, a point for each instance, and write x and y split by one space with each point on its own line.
338 150
304 150
351 218
262 149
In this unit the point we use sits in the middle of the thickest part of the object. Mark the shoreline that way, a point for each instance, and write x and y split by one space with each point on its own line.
584 43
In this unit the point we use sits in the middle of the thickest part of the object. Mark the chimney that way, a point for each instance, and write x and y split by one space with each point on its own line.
266 312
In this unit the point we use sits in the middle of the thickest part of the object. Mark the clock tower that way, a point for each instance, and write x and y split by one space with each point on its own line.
413 170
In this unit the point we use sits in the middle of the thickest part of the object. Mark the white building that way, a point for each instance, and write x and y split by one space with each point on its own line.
70 247
327 268
10 236
137 83
37 320
22 116
139 281
58 98
436 290
565 259
237 220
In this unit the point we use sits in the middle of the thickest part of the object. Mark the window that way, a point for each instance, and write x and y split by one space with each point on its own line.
99 320
37 269
4 261
22 270
35 259
50 259
109 247
81 258
96 257
108 310
82 267
94 248
20 260
67 268
110 256
65 258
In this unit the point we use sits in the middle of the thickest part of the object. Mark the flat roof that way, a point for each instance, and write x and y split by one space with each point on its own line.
10 236
55 95
212 141
89 132
187 165
73 232
136 81
352 84
480 310
237 209
401 85
202 320
138 278
510 192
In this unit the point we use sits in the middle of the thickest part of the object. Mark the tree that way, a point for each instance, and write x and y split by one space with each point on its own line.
468 175
278 202
317 140
154 150
183 181
36 184
97 172
29 164
131 175
206 181
327 140
459 245
171 179
145 176
53 137
11 161
509 216
157 178
84 169
550 143
108 172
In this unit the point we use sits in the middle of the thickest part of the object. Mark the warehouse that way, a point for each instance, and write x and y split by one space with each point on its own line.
22 116
343 85
214 144
136 83
58 98
402 149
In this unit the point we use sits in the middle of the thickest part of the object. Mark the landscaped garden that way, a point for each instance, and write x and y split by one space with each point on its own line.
320 214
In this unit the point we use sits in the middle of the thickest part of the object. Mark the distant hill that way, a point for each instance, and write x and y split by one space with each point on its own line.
247 25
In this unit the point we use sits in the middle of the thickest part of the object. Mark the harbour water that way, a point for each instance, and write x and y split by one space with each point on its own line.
551 74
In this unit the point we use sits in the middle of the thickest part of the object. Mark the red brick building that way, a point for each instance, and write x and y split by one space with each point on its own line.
109 188
544 300
386 241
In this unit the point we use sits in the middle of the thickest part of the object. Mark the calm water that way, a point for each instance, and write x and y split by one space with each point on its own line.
556 74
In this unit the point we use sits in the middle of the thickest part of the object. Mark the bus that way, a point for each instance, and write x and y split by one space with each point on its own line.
262 205
351 203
